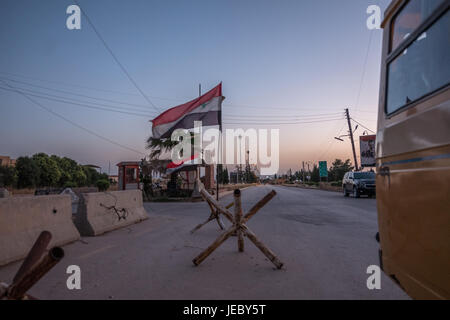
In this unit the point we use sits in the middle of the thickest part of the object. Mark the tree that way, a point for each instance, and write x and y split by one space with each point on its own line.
226 179
79 177
8 176
219 175
102 185
339 168
28 173
158 146
49 173
71 172
315 175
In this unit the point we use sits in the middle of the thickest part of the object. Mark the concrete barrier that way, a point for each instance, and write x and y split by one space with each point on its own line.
105 211
22 219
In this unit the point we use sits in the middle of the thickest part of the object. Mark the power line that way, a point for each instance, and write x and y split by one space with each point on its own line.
126 110
115 58
288 117
66 84
76 94
70 121
282 123
333 141
275 108
122 110
363 126
74 102
177 100
364 72
49 96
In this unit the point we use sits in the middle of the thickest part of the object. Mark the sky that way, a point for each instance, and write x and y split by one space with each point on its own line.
278 60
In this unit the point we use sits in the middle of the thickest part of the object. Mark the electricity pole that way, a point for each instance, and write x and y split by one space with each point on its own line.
350 132
240 159
303 171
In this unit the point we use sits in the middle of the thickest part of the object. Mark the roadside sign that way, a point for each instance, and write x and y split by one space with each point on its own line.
323 171
367 147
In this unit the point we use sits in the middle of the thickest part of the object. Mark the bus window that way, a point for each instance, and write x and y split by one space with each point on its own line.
422 68
412 15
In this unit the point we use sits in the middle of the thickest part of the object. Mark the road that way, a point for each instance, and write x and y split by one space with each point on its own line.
326 242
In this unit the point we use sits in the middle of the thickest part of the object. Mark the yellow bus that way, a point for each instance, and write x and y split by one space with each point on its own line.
413 147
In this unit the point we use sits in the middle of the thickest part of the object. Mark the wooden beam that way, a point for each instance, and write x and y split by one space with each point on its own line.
238 219
261 203
213 201
224 236
267 252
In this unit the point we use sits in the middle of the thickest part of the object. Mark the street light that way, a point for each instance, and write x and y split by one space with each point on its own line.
339 139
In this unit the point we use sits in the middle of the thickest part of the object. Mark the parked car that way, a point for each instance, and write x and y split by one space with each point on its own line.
358 183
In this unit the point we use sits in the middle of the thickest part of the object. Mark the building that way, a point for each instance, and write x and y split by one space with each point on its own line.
7 161
128 176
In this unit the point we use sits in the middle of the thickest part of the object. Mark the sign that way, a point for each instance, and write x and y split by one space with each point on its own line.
367 149
323 171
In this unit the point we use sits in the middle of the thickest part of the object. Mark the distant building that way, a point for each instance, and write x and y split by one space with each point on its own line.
233 177
128 177
7 161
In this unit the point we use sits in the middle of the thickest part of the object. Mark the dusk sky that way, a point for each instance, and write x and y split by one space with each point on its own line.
278 60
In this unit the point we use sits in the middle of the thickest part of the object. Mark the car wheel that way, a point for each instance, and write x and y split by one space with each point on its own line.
355 192
345 192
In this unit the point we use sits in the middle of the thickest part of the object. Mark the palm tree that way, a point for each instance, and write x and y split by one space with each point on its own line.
158 146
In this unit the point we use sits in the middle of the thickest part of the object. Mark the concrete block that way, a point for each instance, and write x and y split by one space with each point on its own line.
105 211
22 219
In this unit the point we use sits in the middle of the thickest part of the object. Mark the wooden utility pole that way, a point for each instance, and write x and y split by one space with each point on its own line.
303 171
350 132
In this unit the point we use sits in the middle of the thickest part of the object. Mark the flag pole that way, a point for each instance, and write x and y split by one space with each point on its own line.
201 147
219 153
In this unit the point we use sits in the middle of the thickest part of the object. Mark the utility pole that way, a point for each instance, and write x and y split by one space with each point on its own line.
240 159
247 167
303 171
350 132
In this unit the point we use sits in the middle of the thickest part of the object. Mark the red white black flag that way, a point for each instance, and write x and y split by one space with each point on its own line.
172 166
206 108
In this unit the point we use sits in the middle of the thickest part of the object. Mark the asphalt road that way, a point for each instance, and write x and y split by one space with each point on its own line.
326 242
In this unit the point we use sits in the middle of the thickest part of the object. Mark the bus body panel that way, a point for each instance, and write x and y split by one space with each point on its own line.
413 187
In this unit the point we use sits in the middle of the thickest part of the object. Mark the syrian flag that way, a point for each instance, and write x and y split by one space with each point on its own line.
173 167
206 108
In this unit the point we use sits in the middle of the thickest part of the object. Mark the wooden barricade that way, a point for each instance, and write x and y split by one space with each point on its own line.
239 226
33 268
215 208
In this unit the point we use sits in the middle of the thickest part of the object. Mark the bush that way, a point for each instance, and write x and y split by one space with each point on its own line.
70 184
102 185
8 176
336 183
